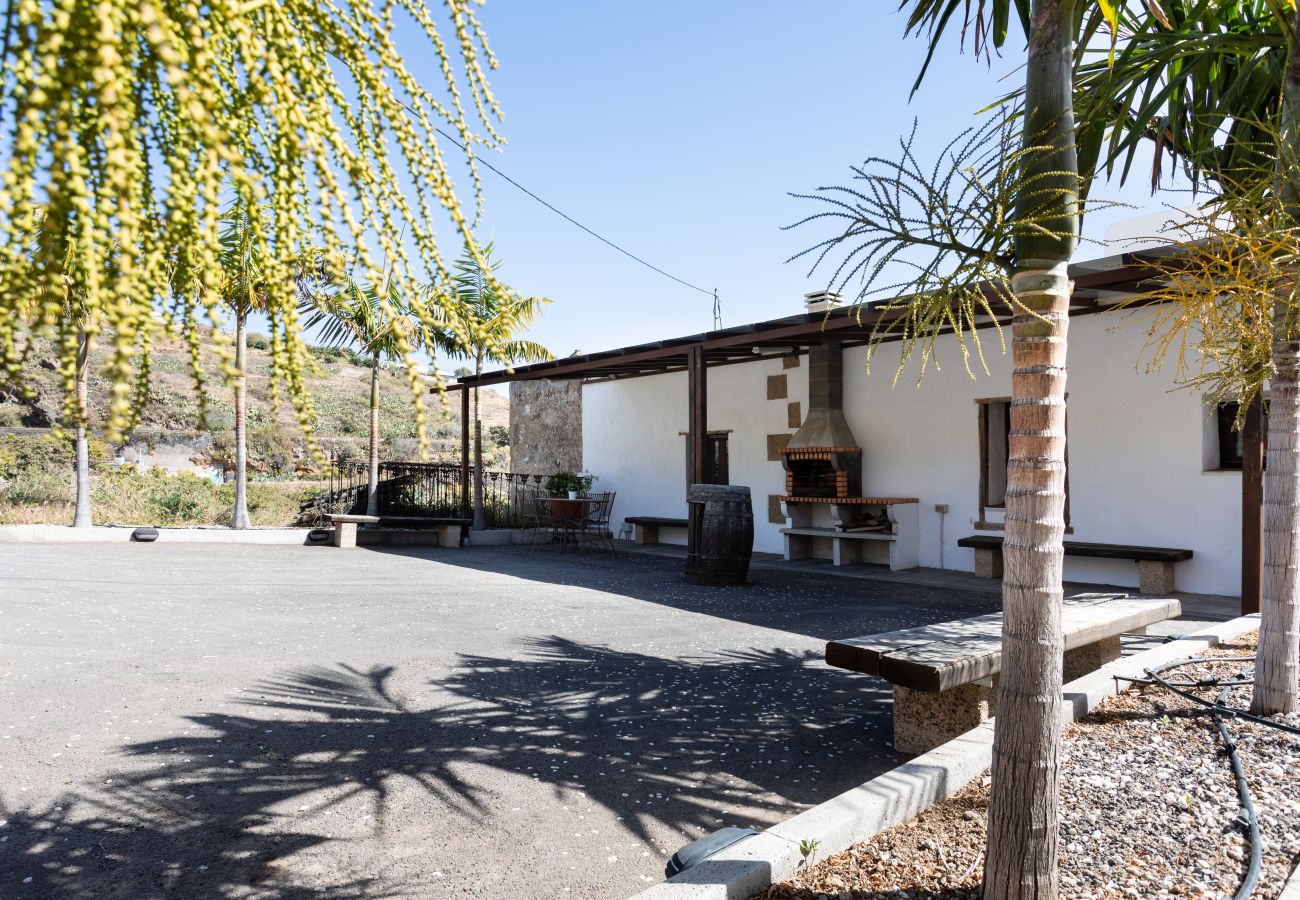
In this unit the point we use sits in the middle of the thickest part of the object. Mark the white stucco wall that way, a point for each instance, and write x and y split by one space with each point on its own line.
1136 450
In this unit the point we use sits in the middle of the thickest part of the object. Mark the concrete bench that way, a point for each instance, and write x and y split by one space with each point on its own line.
450 530
1155 564
345 528
945 675
646 528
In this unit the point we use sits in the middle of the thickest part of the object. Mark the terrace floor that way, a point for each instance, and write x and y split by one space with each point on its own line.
243 720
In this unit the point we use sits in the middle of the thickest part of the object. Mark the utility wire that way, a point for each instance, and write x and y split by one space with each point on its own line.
483 162
717 315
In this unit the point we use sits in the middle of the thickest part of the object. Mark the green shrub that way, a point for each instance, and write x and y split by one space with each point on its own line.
21 454
36 488
11 415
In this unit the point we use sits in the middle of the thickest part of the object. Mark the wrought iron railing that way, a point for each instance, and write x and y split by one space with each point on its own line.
422 489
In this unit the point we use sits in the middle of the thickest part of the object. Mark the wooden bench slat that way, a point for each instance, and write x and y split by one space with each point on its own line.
656 520
949 654
1090 548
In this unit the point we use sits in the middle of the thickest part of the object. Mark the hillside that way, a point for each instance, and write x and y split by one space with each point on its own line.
339 389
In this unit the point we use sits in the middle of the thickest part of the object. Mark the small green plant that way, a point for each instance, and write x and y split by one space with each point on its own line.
562 482
808 846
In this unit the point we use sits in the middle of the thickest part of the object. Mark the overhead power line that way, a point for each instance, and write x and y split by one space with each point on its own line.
562 214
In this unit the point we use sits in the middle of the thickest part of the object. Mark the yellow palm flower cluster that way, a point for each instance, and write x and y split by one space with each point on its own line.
130 124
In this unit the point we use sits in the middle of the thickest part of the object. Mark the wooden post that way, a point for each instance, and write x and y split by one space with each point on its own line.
697 413
1252 507
697 432
464 451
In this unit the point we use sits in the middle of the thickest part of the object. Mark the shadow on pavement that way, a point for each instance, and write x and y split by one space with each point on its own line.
820 606
742 737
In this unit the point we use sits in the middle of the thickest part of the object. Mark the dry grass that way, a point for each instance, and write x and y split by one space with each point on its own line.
153 497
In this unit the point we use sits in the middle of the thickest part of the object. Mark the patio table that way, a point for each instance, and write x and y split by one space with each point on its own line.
568 515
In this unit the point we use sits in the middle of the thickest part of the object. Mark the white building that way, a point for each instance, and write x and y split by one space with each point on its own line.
1149 464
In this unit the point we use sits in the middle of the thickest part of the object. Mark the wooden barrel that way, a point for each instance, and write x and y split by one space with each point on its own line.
720 535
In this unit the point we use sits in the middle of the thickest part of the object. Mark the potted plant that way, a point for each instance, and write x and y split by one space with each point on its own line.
569 484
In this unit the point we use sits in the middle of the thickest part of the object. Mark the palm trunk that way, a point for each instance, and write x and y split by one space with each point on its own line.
1276 667
1023 807
372 482
480 517
82 516
240 517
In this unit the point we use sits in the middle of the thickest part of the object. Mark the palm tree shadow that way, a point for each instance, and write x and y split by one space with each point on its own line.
237 802
747 735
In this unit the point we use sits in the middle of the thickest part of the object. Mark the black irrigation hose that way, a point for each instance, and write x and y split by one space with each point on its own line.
1220 711
1247 805
1229 711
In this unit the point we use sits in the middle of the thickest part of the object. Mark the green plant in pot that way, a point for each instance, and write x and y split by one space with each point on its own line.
570 484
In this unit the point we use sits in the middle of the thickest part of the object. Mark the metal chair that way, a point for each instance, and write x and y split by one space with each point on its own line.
537 525
595 528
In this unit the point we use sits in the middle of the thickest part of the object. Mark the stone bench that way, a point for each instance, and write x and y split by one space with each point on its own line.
450 530
345 528
646 528
1155 564
945 675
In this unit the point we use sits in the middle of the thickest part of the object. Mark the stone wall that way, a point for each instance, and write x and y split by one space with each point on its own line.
545 427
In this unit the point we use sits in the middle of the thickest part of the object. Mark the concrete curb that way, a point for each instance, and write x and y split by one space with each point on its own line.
902 793
1291 890
55 534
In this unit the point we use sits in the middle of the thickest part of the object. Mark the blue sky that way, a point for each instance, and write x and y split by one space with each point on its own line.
677 130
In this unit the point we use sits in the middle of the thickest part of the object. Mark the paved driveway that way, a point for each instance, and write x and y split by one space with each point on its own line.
236 720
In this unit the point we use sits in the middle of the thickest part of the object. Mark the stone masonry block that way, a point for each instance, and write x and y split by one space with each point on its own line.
774 514
794 414
1089 658
777 389
345 534
925 719
775 444
790 362
988 563
1155 577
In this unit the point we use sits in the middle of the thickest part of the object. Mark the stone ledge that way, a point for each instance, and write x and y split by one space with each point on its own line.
904 792
215 534
1291 890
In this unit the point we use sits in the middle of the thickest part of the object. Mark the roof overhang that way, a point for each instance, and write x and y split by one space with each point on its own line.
1099 285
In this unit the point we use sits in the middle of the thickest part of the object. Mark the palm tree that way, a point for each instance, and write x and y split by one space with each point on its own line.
1021 260
250 275
381 324
488 317
74 326
1218 88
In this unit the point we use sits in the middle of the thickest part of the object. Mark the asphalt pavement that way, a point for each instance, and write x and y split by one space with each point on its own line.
276 721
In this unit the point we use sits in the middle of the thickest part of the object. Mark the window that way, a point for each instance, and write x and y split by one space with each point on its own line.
715 459
995 434
1225 443
995 450
716 465
1231 441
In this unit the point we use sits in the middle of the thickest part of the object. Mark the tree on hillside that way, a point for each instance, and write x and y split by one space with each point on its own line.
1012 248
488 316
126 121
1218 90
74 326
381 324
245 289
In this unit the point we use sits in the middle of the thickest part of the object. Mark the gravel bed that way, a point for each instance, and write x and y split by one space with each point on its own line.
1148 808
